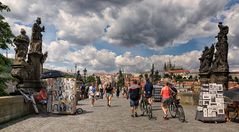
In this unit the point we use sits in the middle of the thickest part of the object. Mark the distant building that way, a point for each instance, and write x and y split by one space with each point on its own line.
183 73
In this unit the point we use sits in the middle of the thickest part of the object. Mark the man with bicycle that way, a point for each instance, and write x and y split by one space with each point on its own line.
148 90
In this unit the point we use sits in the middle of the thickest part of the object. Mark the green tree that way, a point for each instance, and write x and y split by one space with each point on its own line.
90 79
5 39
98 80
120 82
146 76
5 30
157 77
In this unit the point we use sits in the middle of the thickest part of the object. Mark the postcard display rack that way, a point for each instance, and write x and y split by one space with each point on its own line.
62 99
211 103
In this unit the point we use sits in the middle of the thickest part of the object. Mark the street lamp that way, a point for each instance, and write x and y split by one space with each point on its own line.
75 68
85 71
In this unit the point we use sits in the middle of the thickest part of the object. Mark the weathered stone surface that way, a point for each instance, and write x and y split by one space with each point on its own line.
28 73
216 70
115 119
12 107
22 43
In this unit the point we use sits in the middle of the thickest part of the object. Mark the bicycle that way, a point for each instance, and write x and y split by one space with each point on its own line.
176 110
146 107
28 95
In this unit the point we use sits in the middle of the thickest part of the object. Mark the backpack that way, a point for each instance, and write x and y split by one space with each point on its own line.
148 87
134 94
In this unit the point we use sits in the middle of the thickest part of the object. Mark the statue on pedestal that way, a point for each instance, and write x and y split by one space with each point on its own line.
28 72
36 40
22 43
220 63
206 59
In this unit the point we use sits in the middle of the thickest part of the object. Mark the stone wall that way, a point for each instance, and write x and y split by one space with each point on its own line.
12 107
188 98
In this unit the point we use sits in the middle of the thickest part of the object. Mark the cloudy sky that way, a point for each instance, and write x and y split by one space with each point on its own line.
105 35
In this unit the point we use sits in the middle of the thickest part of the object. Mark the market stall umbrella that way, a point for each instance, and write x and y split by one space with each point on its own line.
232 94
51 74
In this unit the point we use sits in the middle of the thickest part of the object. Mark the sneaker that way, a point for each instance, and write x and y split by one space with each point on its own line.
136 115
165 117
132 115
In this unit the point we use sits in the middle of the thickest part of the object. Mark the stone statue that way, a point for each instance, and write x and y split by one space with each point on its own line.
206 59
222 35
22 43
36 40
220 63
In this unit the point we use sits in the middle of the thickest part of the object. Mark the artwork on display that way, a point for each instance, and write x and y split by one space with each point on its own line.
63 95
209 112
200 108
205 89
220 111
211 101
220 95
206 102
206 95
200 103
204 112
220 88
213 98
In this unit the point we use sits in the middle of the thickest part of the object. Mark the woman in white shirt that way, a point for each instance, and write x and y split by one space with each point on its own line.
92 92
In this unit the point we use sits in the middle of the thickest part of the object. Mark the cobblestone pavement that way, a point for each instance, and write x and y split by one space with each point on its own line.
114 119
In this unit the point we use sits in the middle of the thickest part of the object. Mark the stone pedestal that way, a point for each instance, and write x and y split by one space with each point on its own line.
29 73
34 59
204 78
220 78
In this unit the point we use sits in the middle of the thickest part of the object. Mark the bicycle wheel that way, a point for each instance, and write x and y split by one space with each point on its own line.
150 111
173 110
181 115
79 111
142 107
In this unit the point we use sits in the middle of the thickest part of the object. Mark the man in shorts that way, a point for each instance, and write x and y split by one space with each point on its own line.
148 90
134 95
109 93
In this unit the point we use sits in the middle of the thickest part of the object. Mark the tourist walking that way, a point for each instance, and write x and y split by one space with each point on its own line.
109 94
92 94
134 96
148 91
117 91
101 91
165 93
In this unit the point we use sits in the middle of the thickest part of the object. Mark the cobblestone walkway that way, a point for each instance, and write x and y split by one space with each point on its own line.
114 119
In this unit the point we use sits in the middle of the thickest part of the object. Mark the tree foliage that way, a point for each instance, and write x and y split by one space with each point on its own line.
5 39
5 30
120 82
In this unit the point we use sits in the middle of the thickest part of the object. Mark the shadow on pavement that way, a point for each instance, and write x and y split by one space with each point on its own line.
100 106
115 106
14 121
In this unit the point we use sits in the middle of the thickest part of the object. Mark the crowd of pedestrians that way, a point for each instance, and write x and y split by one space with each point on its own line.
133 91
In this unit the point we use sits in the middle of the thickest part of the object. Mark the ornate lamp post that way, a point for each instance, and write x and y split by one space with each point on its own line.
85 72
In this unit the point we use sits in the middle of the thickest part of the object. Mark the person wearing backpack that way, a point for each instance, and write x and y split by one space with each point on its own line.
109 94
134 95
92 92
148 91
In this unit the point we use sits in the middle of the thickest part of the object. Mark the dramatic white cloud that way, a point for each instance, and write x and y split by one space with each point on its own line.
57 50
232 20
93 59
153 23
